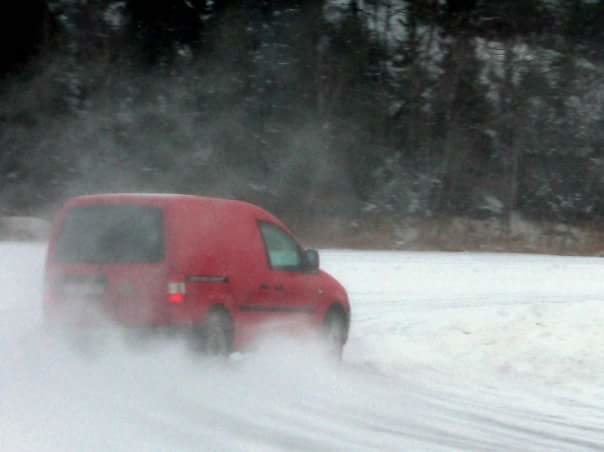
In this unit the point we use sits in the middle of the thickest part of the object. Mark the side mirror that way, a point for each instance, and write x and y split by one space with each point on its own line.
311 260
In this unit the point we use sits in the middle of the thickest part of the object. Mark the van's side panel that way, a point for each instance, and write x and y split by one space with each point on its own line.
197 257
253 285
239 244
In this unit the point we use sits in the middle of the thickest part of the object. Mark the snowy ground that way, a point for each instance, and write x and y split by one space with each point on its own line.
447 352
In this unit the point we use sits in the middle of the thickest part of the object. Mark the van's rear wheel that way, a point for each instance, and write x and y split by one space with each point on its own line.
217 331
334 333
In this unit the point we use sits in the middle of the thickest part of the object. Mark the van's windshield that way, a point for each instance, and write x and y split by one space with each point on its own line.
104 234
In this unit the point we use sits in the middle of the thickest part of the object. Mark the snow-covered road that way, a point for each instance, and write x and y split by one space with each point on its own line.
447 352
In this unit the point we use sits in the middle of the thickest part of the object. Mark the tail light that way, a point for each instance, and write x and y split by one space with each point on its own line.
177 289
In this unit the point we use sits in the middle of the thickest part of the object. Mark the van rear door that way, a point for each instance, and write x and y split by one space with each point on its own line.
111 256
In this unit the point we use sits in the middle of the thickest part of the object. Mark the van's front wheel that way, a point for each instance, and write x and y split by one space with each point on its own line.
334 333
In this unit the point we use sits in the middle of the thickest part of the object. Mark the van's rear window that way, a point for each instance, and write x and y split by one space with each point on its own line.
104 234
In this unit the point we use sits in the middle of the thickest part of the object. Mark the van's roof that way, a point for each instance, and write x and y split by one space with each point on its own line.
221 206
157 199
132 197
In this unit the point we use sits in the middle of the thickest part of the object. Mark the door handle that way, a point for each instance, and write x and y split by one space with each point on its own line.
264 286
279 287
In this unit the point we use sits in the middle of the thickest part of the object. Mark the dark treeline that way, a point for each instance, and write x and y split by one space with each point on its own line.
410 108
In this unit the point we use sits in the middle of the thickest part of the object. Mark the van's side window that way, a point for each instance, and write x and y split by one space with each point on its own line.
282 251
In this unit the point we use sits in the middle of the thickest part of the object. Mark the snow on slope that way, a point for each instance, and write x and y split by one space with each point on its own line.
447 351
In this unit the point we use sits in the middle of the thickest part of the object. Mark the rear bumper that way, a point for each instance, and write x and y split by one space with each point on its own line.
149 315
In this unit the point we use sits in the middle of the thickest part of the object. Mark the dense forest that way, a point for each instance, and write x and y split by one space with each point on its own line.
399 108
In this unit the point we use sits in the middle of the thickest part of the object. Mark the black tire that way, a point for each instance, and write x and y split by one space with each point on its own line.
217 332
334 333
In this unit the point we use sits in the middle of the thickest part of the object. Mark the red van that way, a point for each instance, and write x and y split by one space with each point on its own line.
222 269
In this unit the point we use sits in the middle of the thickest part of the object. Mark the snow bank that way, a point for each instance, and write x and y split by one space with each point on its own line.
24 228
477 316
21 268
